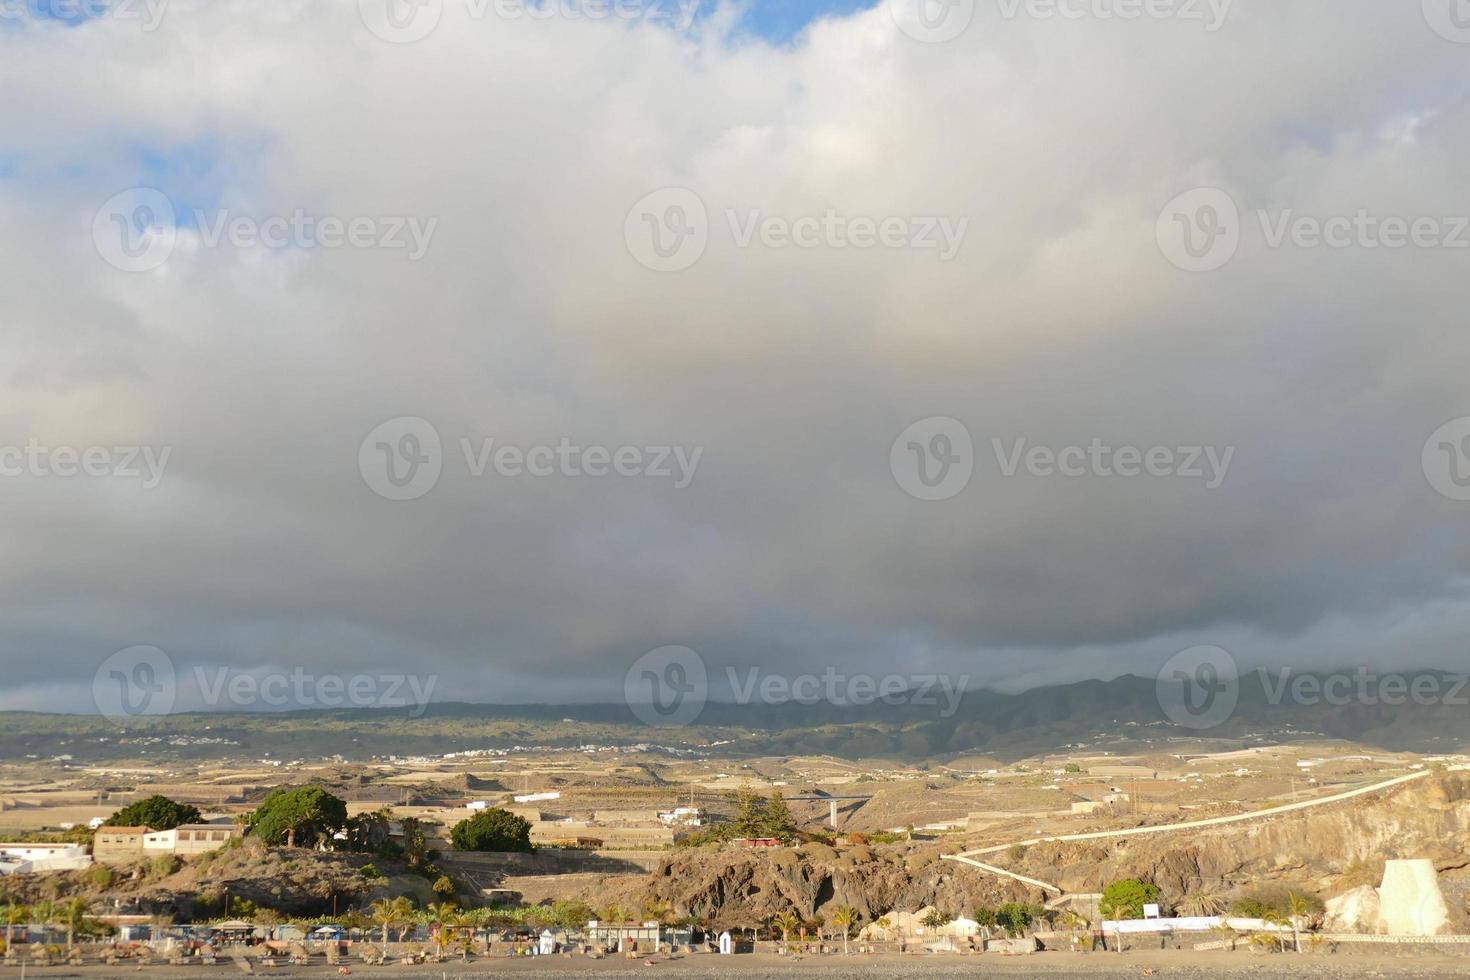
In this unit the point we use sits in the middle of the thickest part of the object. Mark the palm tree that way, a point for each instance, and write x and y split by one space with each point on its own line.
1202 904
1275 918
15 915
786 922
73 914
1114 911
437 915
384 913
1297 908
843 918
44 912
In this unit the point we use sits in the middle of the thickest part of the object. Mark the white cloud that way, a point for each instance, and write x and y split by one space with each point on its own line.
528 321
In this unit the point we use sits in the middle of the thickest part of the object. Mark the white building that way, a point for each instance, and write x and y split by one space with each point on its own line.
22 858
536 797
189 838
683 816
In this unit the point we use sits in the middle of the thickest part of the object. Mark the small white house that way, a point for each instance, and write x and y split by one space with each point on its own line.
476 806
537 797
21 858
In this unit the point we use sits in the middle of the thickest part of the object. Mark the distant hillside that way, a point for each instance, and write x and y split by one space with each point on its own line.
1114 714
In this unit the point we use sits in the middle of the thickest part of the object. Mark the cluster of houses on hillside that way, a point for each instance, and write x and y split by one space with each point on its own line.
115 845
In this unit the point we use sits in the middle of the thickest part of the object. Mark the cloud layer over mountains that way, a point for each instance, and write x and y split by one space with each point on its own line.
533 320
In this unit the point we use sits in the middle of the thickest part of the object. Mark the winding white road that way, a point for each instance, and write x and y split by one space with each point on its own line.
968 857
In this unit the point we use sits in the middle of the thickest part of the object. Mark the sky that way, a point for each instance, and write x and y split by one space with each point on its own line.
966 338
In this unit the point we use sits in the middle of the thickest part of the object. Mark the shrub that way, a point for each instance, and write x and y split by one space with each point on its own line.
1015 917
1273 900
1126 897
164 865
492 830
155 813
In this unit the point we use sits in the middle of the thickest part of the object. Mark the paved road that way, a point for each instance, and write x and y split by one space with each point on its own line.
968 857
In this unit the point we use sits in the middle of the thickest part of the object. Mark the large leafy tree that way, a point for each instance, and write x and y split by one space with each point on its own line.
492 830
1015 917
155 813
1126 897
304 816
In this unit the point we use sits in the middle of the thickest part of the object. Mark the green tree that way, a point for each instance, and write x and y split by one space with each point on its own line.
368 832
569 914
1127 897
750 817
155 813
786 922
73 915
437 915
415 842
778 821
984 917
444 886
843 918
935 919
1015 917
492 830
304 816
1298 906
15 915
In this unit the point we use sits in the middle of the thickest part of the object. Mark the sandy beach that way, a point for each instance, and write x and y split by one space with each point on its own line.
1182 964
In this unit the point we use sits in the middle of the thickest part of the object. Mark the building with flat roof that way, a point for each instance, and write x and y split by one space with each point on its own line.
190 838
22 858
119 845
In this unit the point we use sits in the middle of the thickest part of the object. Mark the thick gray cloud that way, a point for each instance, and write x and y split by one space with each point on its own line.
1060 320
